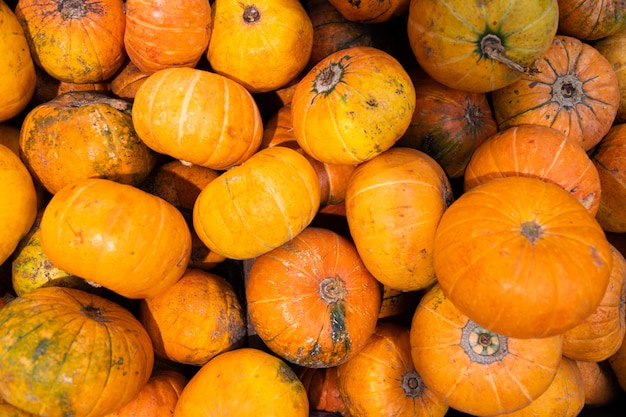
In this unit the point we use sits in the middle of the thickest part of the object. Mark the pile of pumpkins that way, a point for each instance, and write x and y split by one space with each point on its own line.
317 207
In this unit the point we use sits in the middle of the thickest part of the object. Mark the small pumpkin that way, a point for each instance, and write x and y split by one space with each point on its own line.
322 390
59 344
599 383
613 48
371 11
127 81
588 20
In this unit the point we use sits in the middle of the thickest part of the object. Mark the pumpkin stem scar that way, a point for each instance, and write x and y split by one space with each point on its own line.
491 47
412 384
328 77
251 14
94 313
332 289
482 345
531 230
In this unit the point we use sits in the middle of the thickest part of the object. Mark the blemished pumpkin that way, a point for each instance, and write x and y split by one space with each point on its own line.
18 79
382 381
613 48
197 116
352 105
245 382
259 205
500 244
312 301
9 410
167 33
589 20
536 151
371 11
74 353
480 47
322 390
575 90
76 41
262 44
80 135
116 235
473 369
393 205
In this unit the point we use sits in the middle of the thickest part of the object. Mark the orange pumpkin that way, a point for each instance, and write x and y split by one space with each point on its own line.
589 20
575 90
75 41
599 383
322 390
10 137
617 362
262 44
500 244
163 34
116 235
312 301
197 116
60 344
473 369
245 382
382 381
539 152
81 135
352 105
371 11
393 206
471 46
127 81
9 410
613 48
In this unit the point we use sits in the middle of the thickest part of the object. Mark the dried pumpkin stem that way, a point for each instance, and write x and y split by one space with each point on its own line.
94 313
491 47
412 384
332 289
251 14
72 9
531 230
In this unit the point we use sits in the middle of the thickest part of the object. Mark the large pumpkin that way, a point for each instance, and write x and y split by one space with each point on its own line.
473 46
66 352
312 301
352 105
116 235
501 244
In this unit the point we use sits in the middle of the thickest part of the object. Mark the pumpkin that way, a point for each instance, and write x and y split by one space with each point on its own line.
599 383
589 20
81 135
480 47
382 381
48 88
352 105
540 152
609 157
613 48
262 44
18 79
448 124
500 244
10 137
245 382
164 34
75 41
474 369
259 205
311 300
127 81
18 199
617 362
9 410
371 11
116 235
575 90
601 334
197 116
74 353
397 303
393 205
322 390
158 397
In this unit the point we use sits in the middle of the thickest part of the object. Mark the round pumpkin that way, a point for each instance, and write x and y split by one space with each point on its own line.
599 383
472 46
18 79
575 90
322 390
311 300
473 369
198 117
245 382
393 205
164 34
80 135
127 240
261 44
588 20
259 205
75 41
613 48
500 244
74 353
352 105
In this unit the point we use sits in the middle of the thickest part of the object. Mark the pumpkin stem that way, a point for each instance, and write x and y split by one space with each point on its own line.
491 47
332 289
94 313
412 384
251 14
328 77
531 230
482 345
567 90
72 9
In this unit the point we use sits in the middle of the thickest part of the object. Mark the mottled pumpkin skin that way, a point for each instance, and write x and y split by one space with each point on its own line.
609 158
371 11
613 48
446 39
589 20
312 301
245 382
59 344
9 410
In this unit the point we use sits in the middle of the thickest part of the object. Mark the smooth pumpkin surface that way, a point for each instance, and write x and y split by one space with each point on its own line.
613 48
73 352
496 248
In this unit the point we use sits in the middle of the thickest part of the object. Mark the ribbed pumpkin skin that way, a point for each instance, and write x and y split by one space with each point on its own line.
446 39
197 116
116 235
496 248
613 48
75 41
259 205
312 301
590 20
371 11
74 353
